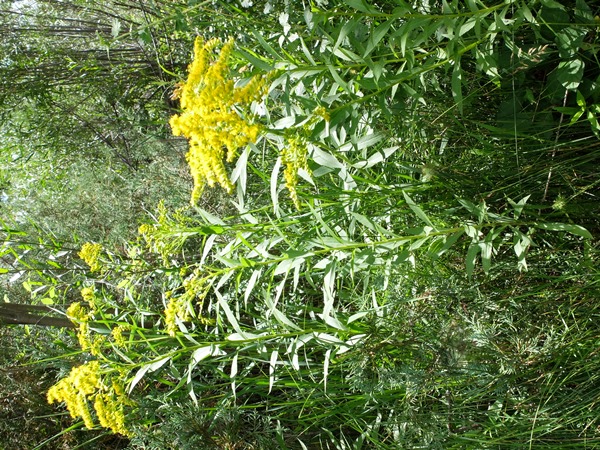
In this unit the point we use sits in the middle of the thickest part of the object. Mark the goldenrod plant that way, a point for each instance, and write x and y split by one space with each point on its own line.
431 281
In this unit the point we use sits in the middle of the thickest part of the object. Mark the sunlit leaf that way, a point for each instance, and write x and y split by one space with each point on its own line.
577 230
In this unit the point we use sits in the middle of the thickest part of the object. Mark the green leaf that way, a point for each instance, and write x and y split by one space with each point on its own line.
272 365
376 36
468 25
552 4
228 313
239 173
418 211
449 241
418 243
284 320
325 159
361 5
208 218
208 244
326 368
53 263
577 230
487 249
254 60
570 73
471 257
569 41
288 264
266 46
457 85
307 53
580 99
479 211
152 367
363 142
145 36
329 284
487 61
583 13
295 346
342 33
518 207
273 185
338 79
593 120
251 284
201 354
522 242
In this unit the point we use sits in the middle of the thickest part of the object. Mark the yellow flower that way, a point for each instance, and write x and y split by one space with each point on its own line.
109 408
321 112
90 253
73 390
80 316
294 155
89 295
117 334
215 115
196 286
176 309
85 385
76 312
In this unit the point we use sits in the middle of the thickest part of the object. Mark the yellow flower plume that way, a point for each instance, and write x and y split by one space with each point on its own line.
84 385
215 114
294 157
90 253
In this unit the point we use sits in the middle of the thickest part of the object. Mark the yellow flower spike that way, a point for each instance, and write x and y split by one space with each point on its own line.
215 115
90 253
294 155
89 295
73 390
84 387
176 309
76 312
96 345
196 286
110 413
117 334
84 412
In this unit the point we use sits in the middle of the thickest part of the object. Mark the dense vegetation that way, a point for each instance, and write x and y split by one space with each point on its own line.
337 224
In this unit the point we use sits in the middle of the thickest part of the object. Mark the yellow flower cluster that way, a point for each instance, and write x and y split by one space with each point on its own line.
196 288
168 233
90 253
215 114
109 408
117 334
177 308
79 315
89 295
85 384
320 113
294 155
73 390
